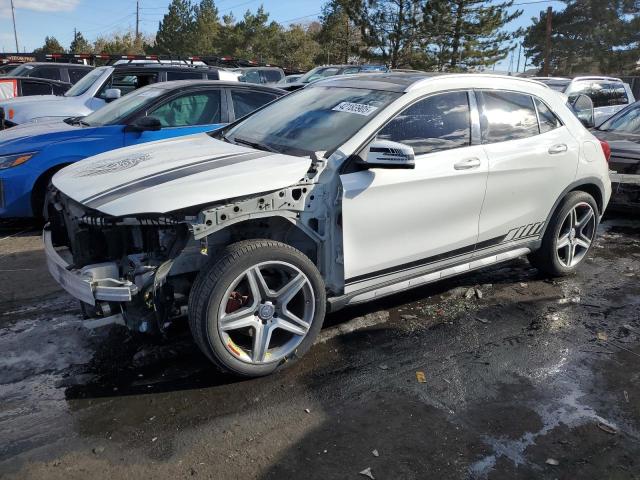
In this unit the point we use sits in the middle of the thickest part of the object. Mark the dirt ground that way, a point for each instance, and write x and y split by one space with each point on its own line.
525 377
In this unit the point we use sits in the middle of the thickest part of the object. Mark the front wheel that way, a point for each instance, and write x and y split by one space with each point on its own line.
569 236
258 307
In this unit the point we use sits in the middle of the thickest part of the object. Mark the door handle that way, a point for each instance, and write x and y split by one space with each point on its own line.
560 148
468 164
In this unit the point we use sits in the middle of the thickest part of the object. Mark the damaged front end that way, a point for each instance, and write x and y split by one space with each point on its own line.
118 267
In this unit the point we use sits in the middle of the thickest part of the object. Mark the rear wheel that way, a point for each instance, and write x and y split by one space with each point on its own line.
258 307
569 236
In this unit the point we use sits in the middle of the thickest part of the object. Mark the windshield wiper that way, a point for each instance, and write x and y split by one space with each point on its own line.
75 121
258 145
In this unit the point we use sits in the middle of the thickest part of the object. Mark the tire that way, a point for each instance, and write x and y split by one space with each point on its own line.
567 240
246 277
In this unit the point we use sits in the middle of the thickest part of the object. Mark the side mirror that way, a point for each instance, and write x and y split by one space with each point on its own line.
388 154
145 124
111 94
582 107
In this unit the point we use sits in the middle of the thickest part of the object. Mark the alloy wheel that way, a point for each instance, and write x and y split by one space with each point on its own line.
576 235
266 312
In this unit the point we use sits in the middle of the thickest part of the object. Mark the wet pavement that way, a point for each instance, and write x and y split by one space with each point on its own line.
524 377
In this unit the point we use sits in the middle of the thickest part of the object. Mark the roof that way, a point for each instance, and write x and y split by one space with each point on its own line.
173 84
58 64
404 82
597 77
162 66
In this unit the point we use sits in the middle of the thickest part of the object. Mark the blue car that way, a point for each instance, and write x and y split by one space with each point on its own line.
31 153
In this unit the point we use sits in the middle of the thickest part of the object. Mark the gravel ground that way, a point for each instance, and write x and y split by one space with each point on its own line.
524 377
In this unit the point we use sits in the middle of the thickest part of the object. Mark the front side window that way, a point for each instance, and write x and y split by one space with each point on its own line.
313 119
199 108
548 120
246 101
251 76
627 121
506 116
128 82
439 122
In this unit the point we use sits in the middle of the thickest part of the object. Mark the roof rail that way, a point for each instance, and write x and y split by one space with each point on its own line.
437 75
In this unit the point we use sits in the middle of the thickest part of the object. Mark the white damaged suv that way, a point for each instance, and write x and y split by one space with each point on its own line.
343 192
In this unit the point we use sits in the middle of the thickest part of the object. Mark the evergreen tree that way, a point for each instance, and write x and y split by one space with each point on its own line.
51 45
80 45
386 25
467 33
588 36
206 29
125 43
175 31
339 37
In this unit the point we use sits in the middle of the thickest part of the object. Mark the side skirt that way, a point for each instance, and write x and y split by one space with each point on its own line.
389 288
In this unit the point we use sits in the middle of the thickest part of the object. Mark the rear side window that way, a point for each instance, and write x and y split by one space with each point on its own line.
128 82
506 116
246 101
183 75
213 76
76 74
548 120
271 76
35 88
439 122
45 72
603 94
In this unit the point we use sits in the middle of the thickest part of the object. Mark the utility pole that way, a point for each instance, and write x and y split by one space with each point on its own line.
15 32
547 49
519 56
137 19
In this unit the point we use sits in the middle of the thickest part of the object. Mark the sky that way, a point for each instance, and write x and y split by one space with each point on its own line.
37 18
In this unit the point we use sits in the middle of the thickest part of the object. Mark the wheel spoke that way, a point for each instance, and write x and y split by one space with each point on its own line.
292 323
240 319
573 218
286 293
585 219
583 242
259 288
571 251
261 340
563 241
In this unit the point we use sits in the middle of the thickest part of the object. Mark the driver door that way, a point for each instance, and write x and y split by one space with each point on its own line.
396 222
184 114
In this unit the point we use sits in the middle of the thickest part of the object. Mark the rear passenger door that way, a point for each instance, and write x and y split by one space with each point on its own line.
532 159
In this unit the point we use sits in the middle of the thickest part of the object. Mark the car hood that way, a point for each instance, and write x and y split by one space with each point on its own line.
35 136
622 145
169 175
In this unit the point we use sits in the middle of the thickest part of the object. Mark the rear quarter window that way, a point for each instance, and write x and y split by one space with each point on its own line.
506 116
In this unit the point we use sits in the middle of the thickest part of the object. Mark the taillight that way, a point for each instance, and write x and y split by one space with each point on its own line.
606 149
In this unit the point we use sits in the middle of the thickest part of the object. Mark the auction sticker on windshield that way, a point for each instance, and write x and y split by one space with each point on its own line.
357 108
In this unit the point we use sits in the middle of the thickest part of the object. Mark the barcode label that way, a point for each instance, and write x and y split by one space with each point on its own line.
357 108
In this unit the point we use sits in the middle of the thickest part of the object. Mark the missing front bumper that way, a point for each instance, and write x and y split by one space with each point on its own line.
89 284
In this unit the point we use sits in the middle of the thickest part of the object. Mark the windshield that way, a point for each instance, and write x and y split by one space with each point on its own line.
628 121
318 73
116 111
85 82
312 119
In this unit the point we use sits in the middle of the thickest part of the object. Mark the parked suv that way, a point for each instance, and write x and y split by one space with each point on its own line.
63 72
102 85
609 95
325 71
340 193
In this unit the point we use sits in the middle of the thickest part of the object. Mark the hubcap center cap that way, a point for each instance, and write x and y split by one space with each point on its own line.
266 311
572 234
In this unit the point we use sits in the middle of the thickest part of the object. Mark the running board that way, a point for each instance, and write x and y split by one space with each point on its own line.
435 276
